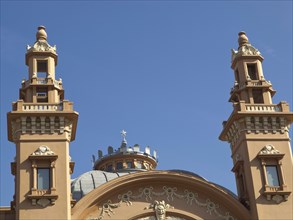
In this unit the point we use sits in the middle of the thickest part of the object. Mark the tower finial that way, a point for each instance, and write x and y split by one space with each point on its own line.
242 39
41 33
123 134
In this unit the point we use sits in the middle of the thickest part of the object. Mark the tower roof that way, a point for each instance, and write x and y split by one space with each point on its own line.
41 46
245 49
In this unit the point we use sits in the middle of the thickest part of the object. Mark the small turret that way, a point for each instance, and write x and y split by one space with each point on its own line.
126 158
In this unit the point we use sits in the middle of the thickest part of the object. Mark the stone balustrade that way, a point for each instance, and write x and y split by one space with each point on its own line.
262 108
42 81
247 107
20 105
250 83
41 107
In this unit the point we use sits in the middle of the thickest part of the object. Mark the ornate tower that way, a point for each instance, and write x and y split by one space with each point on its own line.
258 133
42 124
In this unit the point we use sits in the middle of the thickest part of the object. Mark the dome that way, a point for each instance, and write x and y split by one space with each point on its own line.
88 181
189 173
91 180
202 178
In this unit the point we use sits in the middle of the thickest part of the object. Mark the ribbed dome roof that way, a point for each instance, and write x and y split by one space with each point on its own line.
91 180
88 181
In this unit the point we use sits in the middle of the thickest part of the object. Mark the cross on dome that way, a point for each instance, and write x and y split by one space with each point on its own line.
123 134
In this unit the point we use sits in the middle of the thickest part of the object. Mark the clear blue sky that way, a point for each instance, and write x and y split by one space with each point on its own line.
158 69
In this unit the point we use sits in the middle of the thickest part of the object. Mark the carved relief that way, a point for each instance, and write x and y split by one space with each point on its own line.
107 208
160 207
41 46
44 125
167 218
277 198
43 202
256 124
245 50
269 149
43 150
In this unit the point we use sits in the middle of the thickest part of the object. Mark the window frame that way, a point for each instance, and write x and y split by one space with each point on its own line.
257 95
40 68
109 167
270 156
275 176
46 182
252 76
120 167
128 162
43 161
238 169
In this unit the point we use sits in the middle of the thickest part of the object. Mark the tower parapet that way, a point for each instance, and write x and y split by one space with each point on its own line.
126 158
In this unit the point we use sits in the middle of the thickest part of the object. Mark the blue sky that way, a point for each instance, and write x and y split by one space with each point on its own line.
158 69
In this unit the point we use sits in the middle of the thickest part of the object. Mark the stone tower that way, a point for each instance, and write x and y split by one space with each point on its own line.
258 133
42 124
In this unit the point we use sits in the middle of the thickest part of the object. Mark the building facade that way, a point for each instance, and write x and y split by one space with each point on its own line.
124 183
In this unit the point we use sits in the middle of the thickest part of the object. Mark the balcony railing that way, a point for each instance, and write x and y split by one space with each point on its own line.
262 108
43 81
250 83
20 105
247 107
42 107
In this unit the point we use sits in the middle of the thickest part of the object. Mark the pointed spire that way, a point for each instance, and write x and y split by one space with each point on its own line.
41 33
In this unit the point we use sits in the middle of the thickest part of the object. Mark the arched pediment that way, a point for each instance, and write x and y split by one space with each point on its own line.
138 196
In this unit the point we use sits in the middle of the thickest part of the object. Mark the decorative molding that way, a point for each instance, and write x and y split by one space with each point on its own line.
269 155
43 150
43 202
257 125
268 149
41 46
245 50
167 218
147 193
277 198
41 125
